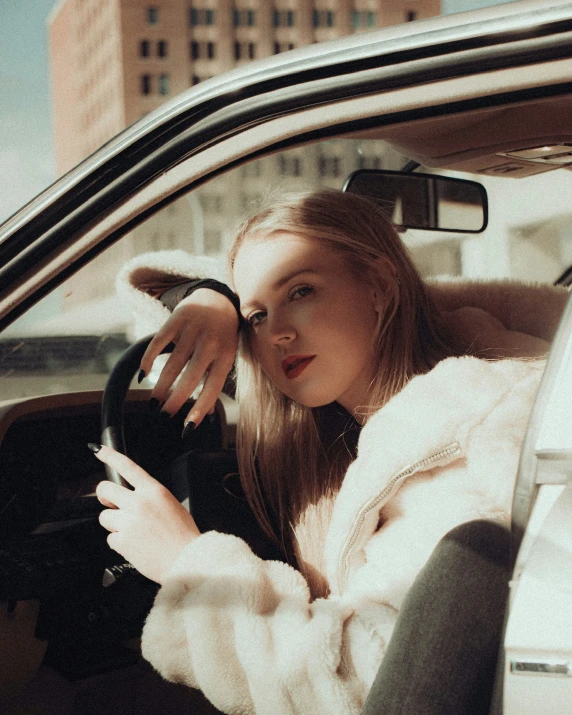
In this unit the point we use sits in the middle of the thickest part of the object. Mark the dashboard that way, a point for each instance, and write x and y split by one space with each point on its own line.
53 551
48 473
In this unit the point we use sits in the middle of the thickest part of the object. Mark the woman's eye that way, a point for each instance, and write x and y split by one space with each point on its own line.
300 292
255 318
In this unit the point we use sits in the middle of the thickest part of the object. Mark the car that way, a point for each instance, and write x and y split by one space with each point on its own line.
484 96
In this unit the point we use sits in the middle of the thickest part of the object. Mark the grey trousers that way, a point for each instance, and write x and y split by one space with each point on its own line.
442 656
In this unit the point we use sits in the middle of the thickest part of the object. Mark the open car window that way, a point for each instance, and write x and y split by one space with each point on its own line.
73 337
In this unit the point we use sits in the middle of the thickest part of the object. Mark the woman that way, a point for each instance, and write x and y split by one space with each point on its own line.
336 321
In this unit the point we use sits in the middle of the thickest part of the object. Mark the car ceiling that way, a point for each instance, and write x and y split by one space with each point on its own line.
477 141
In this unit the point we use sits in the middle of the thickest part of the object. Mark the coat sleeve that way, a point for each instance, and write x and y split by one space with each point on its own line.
145 277
246 633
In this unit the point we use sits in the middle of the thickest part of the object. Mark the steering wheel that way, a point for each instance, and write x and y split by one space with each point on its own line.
208 473
112 432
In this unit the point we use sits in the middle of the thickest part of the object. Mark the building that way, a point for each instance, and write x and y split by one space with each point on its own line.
113 61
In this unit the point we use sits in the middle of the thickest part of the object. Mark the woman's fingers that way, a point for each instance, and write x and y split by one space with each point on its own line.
212 388
204 328
173 368
162 338
110 519
131 472
112 495
188 382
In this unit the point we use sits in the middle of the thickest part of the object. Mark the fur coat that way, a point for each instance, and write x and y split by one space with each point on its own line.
443 451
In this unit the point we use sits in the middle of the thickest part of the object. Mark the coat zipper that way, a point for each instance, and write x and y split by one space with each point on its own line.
451 450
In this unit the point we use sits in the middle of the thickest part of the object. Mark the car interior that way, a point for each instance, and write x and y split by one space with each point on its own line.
499 139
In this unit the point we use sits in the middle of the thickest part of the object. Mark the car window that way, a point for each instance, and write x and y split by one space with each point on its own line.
72 338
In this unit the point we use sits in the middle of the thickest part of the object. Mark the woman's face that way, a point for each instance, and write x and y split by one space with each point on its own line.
312 321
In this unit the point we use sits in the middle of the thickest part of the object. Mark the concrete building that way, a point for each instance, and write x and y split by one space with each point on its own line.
115 60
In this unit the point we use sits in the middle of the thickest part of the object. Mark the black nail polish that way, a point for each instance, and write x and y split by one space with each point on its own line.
189 427
94 447
154 405
164 417
142 375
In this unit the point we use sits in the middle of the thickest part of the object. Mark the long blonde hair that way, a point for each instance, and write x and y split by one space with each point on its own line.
287 460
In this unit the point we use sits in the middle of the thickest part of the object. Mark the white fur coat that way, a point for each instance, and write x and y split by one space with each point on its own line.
442 452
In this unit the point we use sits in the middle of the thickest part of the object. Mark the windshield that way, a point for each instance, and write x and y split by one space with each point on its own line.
73 337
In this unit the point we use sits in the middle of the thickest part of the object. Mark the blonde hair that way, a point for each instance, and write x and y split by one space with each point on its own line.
286 459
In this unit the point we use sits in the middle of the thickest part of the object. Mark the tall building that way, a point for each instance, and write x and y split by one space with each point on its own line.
115 60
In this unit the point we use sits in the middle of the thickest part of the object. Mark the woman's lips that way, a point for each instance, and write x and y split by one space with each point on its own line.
296 364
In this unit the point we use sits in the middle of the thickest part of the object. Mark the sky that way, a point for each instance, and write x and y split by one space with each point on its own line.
27 163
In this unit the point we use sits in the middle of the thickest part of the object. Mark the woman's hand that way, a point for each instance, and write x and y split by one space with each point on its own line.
204 328
148 525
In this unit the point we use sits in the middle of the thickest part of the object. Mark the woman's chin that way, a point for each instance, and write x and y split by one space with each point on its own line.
309 400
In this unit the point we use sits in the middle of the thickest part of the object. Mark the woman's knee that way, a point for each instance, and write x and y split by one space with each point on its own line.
487 539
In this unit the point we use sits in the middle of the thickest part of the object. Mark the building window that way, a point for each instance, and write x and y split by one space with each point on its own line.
162 48
201 16
197 78
363 19
283 47
323 18
244 18
244 50
289 165
203 50
252 170
163 86
370 162
211 203
411 15
283 18
329 166
144 48
145 84
152 15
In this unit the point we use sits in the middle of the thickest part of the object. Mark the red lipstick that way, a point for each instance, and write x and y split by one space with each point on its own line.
294 365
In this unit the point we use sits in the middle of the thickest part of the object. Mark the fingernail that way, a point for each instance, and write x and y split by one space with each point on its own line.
94 447
164 417
141 376
189 427
154 405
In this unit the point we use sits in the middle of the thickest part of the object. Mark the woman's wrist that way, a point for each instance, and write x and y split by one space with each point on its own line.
174 296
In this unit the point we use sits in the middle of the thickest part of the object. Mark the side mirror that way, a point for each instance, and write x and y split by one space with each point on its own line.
424 201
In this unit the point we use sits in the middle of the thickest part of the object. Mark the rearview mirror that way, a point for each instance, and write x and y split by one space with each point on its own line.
424 201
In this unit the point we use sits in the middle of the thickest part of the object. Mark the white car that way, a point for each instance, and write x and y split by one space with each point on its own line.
484 96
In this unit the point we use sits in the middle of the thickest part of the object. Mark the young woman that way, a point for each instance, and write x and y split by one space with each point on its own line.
339 336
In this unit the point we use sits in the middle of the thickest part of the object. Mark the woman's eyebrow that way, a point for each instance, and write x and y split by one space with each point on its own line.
281 282
288 277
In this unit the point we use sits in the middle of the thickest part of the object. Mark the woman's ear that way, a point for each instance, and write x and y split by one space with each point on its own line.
385 284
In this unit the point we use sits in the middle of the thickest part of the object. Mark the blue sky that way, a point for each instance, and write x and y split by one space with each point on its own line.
27 162
26 146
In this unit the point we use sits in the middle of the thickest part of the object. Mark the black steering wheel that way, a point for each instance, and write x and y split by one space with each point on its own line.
112 432
207 475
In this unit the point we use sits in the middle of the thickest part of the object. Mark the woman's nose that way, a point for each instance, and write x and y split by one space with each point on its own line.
281 331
